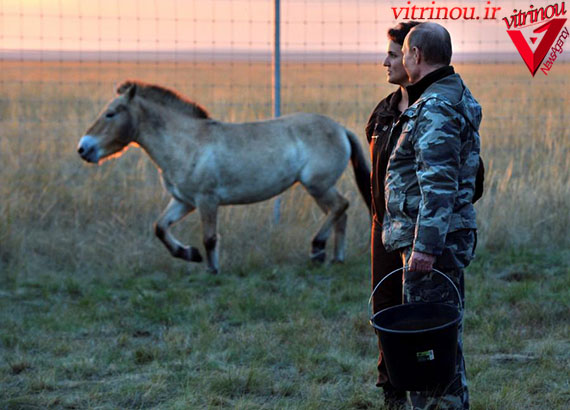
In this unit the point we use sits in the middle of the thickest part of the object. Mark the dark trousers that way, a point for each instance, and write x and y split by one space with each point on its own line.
390 292
432 287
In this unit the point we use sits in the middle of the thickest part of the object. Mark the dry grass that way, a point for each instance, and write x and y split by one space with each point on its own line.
44 109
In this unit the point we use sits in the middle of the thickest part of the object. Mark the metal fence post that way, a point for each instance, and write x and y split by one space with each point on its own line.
277 87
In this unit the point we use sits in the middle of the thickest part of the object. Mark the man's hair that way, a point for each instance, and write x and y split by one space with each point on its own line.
398 34
434 42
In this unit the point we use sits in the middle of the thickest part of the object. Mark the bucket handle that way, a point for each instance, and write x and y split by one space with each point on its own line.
405 268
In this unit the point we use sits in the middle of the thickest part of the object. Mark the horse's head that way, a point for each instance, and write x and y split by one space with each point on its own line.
113 130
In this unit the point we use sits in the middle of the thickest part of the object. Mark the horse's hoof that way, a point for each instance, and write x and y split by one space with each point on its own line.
212 271
318 257
337 261
195 255
318 253
189 254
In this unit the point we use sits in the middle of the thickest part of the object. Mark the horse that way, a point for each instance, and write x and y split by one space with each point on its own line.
205 163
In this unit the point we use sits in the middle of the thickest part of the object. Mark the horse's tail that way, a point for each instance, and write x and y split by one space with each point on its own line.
361 169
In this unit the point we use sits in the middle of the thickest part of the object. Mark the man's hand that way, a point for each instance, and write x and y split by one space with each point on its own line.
421 262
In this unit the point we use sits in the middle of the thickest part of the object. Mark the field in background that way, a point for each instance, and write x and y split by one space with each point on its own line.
44 109
95 313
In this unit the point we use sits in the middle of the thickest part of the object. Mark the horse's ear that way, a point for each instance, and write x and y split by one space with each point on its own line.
129 88
132 91
123 87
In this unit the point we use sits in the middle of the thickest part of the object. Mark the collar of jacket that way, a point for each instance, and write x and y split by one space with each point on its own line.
417 89
388 107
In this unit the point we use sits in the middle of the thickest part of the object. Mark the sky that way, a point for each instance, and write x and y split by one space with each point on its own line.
240 25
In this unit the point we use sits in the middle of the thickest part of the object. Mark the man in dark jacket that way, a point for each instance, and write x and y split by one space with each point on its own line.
430 187
378 131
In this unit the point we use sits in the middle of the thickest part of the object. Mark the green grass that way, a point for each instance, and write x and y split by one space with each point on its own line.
270 339
288 336
517 328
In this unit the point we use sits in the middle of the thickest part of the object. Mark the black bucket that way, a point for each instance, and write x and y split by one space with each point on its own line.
419 342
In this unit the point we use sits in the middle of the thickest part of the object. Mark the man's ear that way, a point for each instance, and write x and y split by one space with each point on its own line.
417 54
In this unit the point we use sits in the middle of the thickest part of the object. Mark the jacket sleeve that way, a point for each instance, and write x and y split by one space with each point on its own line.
437 146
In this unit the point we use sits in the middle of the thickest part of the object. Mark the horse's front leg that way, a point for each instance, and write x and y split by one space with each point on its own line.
209 214
174 212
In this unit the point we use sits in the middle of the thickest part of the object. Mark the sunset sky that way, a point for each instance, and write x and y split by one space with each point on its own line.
241 25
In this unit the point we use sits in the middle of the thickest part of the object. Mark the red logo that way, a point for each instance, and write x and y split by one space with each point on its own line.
525 37
533 60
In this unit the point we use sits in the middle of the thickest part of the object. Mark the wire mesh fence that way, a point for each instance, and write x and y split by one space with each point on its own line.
60 62
203 47
209 48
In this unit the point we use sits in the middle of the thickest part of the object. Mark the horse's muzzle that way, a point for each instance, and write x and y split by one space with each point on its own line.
88 149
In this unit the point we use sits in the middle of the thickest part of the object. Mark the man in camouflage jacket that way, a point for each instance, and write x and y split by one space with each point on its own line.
429 187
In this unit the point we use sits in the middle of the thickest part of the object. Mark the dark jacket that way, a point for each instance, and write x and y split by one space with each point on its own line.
378 134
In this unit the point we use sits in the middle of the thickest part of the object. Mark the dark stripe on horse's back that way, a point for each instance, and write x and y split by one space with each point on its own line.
165 96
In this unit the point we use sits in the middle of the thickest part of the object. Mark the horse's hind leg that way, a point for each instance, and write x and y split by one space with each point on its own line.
209 214
334 205
175 211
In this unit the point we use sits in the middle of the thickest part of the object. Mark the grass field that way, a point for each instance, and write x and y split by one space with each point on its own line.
94 313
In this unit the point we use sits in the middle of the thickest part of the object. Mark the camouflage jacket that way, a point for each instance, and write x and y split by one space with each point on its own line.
430 180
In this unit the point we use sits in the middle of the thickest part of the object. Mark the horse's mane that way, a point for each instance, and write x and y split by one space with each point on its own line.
164 96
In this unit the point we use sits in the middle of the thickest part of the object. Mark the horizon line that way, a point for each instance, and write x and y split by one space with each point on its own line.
189 55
